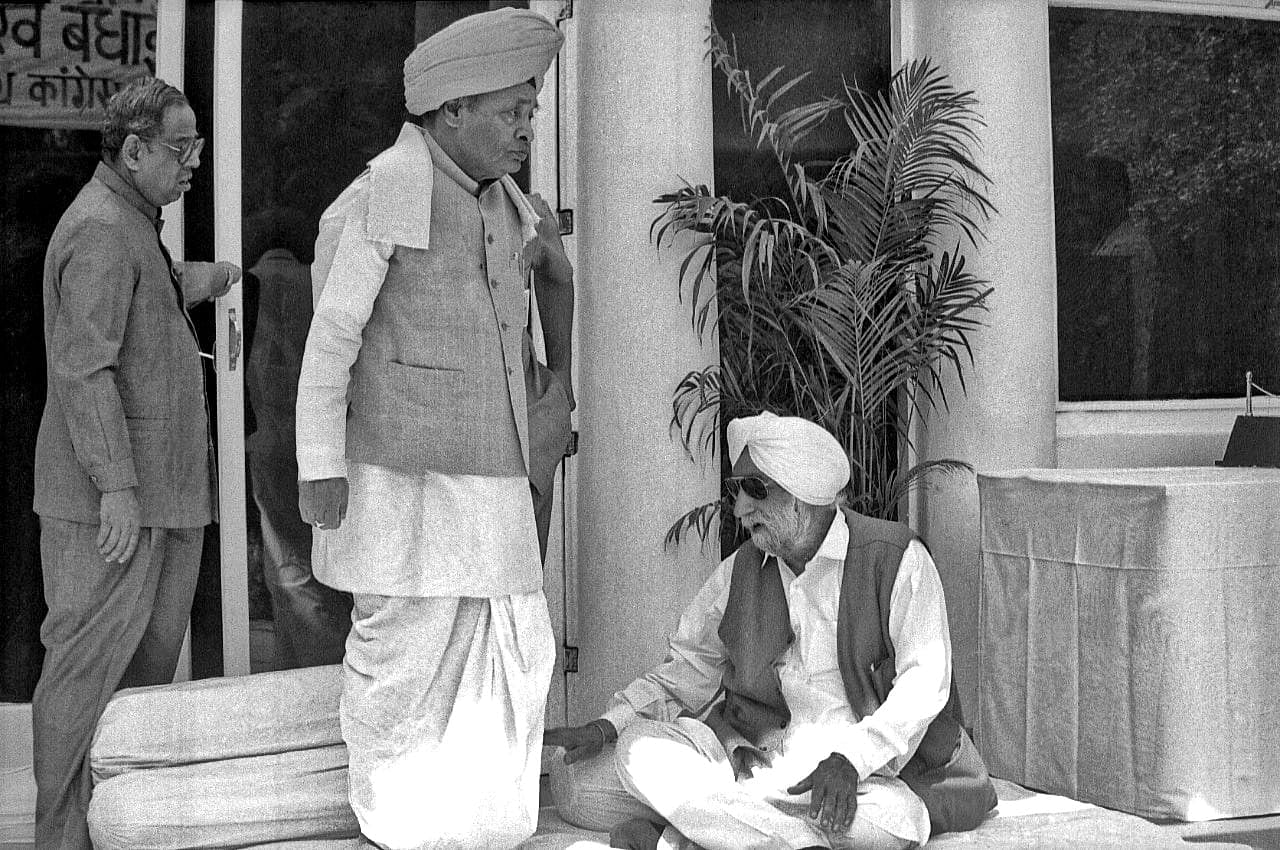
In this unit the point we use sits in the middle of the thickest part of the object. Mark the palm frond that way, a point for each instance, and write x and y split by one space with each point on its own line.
849 300
918 476
780 133
700 521
695 412
911 174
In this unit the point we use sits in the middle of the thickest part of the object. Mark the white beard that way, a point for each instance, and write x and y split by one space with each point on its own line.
779 535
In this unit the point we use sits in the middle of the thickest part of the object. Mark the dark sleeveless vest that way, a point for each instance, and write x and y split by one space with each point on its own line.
441 371
946 771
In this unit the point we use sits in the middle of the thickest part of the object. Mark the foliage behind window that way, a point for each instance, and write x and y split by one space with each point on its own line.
1166 132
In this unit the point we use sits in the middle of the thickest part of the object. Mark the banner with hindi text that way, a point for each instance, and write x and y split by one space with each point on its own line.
61 62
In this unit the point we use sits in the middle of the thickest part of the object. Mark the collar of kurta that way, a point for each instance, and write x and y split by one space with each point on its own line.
836 543
404 174
109 177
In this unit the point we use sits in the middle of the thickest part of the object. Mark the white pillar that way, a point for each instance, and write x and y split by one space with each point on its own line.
1000 50
643 124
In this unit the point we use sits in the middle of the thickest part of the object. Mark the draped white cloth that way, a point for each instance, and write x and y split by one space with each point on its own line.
445 751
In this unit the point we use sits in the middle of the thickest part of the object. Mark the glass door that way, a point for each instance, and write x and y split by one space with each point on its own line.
552 146
305 95
319 94
229 351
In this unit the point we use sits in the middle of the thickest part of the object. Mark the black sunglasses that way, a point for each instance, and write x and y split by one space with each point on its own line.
754 486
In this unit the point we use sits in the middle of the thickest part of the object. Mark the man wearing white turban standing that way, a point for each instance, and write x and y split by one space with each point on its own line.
826 635
423 421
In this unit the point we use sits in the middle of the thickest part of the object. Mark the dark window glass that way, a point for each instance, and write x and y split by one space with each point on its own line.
323 93
1166 145
41 171
835 41
206 607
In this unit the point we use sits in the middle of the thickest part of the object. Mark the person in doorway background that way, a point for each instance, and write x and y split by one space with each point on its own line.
423 422
826 634
124 459
311 619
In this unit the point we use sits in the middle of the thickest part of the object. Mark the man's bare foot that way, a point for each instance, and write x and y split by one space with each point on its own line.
636 834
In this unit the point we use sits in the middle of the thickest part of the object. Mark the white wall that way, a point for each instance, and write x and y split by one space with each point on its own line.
1140 434
643 123
999 49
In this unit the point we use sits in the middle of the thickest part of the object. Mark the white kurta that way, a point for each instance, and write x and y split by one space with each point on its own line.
404 535
822 721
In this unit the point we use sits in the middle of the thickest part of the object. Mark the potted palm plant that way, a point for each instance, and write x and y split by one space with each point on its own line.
847 299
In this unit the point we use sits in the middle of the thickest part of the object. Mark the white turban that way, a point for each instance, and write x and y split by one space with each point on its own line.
480 53
803 458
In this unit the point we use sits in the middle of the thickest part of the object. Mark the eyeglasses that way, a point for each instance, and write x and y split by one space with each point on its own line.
188 151
753 485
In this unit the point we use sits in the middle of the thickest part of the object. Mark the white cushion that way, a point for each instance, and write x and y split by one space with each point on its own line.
213 719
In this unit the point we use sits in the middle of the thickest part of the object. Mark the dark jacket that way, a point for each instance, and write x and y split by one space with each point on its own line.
126 404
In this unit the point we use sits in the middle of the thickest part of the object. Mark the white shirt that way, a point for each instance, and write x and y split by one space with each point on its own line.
404 534
822 721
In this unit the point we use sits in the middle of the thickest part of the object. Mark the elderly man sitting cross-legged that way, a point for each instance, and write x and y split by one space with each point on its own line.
827 636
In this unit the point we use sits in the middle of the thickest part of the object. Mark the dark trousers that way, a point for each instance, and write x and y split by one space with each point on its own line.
311 619
109 626
542 505
549 434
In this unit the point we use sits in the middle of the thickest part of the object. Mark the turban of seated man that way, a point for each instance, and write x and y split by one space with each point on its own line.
478 54
802 457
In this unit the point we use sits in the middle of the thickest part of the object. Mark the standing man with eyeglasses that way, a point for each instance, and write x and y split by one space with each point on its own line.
124 475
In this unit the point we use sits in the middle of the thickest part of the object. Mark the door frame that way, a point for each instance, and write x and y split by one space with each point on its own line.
549 176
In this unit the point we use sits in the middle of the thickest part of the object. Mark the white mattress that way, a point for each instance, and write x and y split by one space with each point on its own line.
17 783
1023 819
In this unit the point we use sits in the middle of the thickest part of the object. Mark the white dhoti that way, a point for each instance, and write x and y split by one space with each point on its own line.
680 771
442 712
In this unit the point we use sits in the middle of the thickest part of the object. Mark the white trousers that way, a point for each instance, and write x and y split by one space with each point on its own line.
678 772
442 712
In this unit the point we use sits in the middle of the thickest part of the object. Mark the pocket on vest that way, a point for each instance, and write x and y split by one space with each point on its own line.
427 385
883 673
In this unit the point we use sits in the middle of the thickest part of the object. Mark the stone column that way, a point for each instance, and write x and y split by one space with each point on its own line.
643 125
1000 50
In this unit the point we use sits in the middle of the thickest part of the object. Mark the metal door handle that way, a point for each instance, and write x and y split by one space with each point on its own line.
234 339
